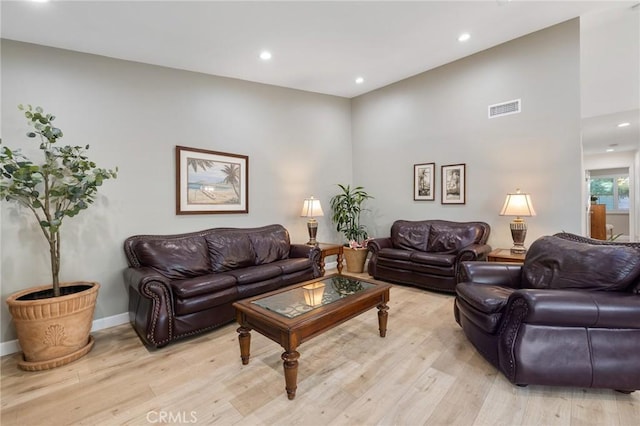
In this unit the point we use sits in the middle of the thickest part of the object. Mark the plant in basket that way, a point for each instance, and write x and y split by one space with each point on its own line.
347 207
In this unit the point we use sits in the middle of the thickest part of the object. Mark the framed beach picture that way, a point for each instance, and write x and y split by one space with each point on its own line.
453 184
211 182
424 182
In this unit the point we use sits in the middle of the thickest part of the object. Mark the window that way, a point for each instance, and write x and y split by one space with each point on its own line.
611 190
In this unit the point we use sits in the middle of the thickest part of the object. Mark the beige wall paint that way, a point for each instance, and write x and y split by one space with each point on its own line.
441 116
133 116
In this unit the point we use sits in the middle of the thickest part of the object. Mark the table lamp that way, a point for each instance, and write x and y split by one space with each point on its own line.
311 208
518 204
313 294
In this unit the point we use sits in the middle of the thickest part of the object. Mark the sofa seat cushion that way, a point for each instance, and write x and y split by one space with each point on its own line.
255 273
184 306
174 258
393 253
436 259
555 263
204 284
483 297
488 323
249 290
290 266
420 268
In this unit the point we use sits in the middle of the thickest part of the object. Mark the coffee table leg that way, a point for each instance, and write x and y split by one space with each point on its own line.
244 337
291 372
382 319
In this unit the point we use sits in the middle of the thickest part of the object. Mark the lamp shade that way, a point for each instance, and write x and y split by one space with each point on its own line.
311 208
518 204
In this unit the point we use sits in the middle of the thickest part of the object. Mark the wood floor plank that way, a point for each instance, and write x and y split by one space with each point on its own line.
423 372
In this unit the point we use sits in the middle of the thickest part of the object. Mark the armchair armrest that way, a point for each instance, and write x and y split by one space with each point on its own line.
150 305
492 273
573 308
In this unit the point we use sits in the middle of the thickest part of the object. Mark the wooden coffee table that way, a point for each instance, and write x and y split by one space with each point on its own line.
285 317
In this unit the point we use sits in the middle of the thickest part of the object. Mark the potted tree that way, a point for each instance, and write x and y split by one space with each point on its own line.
52 322
346 209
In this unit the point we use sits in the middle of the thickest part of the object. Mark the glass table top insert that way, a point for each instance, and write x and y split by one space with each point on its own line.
300 300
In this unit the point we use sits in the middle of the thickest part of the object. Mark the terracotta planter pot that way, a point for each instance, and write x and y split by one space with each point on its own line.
355 258
54 331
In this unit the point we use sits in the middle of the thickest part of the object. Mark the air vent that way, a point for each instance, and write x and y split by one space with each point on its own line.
504 108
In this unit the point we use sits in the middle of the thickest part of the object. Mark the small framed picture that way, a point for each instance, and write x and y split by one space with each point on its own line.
211 182
424 182
454 184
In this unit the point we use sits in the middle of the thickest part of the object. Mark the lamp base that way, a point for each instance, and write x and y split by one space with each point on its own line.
518 233
312 226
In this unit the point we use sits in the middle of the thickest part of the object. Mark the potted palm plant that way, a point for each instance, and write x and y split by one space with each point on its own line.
53 322
346 209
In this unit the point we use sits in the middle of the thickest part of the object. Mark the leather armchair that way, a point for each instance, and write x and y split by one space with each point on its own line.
568 316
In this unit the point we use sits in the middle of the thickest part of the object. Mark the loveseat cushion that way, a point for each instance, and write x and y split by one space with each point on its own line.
175 258
451 237
557 263
270 246
436 259
396 254
410 235
230 250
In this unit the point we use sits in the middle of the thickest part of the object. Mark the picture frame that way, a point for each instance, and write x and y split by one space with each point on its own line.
424 182
453 181
211 182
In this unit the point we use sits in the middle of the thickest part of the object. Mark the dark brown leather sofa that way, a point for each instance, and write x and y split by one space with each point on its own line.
427 253
184 284
568 316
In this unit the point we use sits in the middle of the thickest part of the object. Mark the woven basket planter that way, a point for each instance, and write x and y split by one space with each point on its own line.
355 258
54 331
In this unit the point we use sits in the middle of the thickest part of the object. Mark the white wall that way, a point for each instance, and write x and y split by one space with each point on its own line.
133 116
441 116
617 160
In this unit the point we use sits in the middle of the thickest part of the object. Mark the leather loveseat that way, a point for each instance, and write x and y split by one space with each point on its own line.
427 253
184 284
568 316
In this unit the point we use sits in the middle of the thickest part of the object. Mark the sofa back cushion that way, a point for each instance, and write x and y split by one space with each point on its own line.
410 235
450 237
557 263
174 257
270 243
230 249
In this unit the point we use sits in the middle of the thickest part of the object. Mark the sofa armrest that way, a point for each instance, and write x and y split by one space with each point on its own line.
575 308
378 244
311 252
150 305
492 273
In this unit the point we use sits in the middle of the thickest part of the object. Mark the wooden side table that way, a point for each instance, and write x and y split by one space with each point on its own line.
505 255
329 249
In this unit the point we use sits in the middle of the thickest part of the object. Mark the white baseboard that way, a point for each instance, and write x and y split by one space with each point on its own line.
13 346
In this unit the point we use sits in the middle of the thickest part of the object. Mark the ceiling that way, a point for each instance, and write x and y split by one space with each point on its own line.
317 46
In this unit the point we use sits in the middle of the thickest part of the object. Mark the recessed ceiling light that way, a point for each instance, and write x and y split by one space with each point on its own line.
265 55
610 149
625 124
359 80
464 37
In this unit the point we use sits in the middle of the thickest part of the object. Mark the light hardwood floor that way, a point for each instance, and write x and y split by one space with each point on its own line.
423 372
